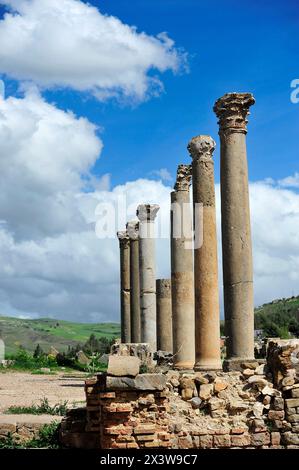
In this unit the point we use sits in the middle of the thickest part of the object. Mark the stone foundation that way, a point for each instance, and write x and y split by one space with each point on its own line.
201 410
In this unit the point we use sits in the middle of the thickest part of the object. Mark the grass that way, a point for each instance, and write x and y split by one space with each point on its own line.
48 437
48 332
44 407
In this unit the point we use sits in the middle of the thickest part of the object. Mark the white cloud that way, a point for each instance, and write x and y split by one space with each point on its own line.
69 43
164 174
290 181
46 156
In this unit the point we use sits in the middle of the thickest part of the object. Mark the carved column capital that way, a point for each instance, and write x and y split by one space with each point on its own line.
183 179
147 212
201 148
133 229
232 111
123 238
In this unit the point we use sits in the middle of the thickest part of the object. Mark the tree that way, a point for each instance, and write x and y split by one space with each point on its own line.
38 352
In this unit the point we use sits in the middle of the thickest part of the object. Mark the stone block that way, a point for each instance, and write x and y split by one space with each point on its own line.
290 438
205 442
205 391
222 440
146 382
241 440
275 438
145 429
260 439
120 366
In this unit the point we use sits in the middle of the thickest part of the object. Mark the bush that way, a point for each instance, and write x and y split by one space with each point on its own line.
25 360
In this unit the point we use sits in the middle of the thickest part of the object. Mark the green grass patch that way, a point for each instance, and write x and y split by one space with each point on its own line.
44 407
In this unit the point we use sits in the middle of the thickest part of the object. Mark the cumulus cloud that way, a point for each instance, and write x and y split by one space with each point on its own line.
69 43
290 181
46 155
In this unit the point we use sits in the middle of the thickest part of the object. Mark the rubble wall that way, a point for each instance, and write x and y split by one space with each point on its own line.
256 407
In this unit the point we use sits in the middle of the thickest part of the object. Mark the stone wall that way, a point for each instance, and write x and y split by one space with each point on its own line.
252 408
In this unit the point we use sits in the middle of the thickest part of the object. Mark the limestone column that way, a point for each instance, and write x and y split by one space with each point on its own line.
133 233
164 315
124 246
182 287
207 312
146 214
232 110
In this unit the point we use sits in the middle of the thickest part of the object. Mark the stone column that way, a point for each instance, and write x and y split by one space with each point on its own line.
164 315
146 214
124 246
182 287
133 233
207 312
232 110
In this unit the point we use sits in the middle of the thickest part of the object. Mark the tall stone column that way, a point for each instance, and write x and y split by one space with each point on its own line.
164 315
133 233
207 312
146 214
182 287
232 110
124 246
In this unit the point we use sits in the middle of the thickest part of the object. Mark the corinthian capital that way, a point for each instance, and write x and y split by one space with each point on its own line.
123 238
133 229
201 147
232 111
147 212
183 179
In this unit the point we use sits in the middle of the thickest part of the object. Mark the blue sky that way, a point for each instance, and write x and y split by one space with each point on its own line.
232 46
81 101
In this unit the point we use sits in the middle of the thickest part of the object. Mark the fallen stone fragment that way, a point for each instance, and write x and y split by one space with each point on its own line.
205 391
119 366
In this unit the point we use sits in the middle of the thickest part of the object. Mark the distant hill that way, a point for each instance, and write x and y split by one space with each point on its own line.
48 332
279 317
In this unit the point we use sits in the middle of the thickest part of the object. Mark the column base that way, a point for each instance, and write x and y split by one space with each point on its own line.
183 366
207 366
239 364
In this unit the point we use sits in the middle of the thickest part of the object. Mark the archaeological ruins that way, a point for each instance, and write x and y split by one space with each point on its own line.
170 382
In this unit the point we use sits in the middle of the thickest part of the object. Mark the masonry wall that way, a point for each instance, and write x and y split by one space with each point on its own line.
256 407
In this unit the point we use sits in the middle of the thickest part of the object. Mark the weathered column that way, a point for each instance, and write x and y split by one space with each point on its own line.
164 315
207 313
124 246
133 233
182 287
232 110
146 214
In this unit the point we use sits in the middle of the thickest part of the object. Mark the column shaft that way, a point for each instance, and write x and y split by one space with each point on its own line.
164 315
182 287
133 232
207 312
124 244
147 267
232 110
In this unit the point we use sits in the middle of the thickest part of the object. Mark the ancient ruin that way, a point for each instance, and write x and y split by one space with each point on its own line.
146 214
207 311
232 110
133 233
196 400
125 308
182 286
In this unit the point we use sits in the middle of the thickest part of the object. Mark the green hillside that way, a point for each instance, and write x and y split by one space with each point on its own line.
48 332
279 317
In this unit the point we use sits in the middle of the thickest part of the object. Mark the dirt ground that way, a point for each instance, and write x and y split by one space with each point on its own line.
25 389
